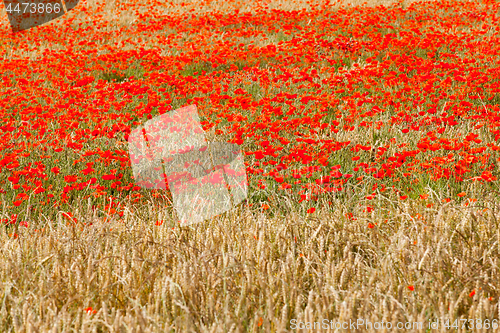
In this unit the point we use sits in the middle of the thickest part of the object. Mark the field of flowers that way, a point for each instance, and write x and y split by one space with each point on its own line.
371 141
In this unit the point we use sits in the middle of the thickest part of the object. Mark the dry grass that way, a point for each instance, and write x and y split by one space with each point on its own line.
242 272
114 9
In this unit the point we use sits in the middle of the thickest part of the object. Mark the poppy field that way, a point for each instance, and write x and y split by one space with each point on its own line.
371 141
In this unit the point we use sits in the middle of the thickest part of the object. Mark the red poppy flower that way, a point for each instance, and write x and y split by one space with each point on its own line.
70 178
